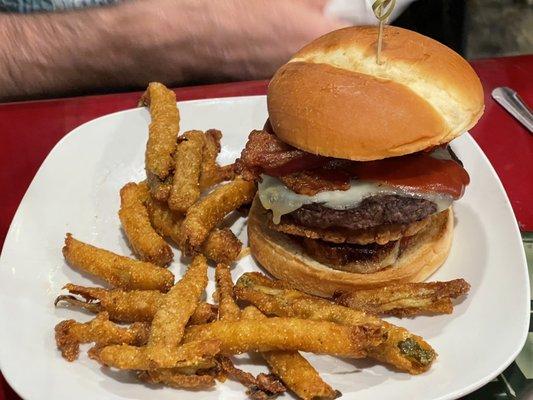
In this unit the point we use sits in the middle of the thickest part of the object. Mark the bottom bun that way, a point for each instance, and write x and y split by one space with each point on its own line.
285 259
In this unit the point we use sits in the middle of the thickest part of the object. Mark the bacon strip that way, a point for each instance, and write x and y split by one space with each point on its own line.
309 174
311 182
265 153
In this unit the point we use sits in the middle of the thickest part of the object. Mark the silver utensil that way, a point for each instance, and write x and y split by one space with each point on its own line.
511 101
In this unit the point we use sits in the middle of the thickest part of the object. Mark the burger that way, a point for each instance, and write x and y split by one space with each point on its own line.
356 178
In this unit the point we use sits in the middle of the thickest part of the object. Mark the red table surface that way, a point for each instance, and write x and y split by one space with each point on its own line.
29 130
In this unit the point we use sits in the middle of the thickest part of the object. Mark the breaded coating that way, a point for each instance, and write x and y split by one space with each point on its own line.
196 354
263 387
175 379
165 221
128 306
406 299
209 169
212 173
70 334
221 245
163 129
121 305
293 369
119 271
204 313
401 349
299 375
167 328
144 240
177 307
209 211
228 310
159 189
276 333
185 189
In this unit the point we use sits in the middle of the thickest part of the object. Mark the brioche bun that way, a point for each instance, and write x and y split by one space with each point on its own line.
333 99
284 259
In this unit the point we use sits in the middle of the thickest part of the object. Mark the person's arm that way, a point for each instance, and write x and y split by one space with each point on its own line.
171 41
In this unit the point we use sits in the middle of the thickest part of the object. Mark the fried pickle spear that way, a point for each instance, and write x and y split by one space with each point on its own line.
70 334
401 349
174 378
119 271
165 221
228 310
221 245
265 386
177 307
209 174
321 337
196 355
209 211
406 299
163 347
187 167
128 306
260 387
144 240
212 173
293 369
299 375
163 130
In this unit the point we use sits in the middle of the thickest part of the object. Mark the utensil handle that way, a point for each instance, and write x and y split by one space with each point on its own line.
511 101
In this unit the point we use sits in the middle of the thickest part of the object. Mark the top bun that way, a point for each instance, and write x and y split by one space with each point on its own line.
333 99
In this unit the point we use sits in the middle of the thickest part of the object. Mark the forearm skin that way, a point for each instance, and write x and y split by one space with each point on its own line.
44 55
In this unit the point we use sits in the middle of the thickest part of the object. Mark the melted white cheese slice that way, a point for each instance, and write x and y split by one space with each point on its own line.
275 196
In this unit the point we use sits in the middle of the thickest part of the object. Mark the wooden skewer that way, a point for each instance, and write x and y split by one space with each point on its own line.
382 10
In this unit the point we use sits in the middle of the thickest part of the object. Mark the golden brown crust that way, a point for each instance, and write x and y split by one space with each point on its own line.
333 92
319 337
128 306
276 297
144 240
228 310
406 299
294 370
259 388
221 245
285 260
207 213
119 271
70 334
174 379
163 129
185 188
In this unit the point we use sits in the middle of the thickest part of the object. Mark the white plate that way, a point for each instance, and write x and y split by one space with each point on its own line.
76 190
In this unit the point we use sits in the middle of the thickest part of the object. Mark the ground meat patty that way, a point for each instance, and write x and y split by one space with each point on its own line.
373 211
381 234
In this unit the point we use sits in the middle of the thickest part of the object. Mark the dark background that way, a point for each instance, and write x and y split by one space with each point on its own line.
474 28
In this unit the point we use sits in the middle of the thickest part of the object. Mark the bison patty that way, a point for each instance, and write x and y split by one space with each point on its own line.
372 211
